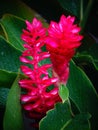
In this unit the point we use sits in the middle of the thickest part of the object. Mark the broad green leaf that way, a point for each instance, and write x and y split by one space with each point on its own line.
3 96
56 118
60 118
13 115
85 14
9 57
87 52
83 94
72 6
2 32
18 8
79 122
79 8
75 109
63 92
93 50
6 81
6 78
87 42
86 60
12 27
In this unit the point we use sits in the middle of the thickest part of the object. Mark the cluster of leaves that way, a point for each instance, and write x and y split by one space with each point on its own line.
78 111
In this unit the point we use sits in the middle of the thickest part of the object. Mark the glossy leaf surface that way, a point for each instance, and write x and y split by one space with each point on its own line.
13 111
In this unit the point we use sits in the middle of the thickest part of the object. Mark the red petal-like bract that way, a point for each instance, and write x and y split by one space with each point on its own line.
37 99
41 90
62 40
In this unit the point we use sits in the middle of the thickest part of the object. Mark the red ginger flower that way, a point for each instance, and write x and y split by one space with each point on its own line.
37 99
35 32
62 40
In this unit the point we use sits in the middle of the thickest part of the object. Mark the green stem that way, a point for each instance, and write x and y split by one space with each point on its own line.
81 10
83 18
70 108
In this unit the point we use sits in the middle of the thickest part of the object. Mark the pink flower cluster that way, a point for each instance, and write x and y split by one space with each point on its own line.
63 38
38 98
60 41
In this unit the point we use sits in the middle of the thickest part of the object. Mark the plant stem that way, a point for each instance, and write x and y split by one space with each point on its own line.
83 18
70 108
81 10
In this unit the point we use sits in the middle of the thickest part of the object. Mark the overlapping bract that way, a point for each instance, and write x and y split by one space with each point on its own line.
35 32
62 40
38 98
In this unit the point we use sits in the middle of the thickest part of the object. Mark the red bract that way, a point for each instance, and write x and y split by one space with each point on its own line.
62 40
34 32
38 97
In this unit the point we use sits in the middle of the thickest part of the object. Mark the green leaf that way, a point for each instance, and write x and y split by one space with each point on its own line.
93 52
9 57
85 14
87 42
60 118
2 32
83 94
18 8
79 122
15 7
3 96
63 92
87 53
12 27
84 60
13 115
6 81
6 78
56 118
72 6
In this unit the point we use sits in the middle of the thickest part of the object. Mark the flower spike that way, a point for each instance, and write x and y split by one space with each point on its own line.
39 98
62 40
